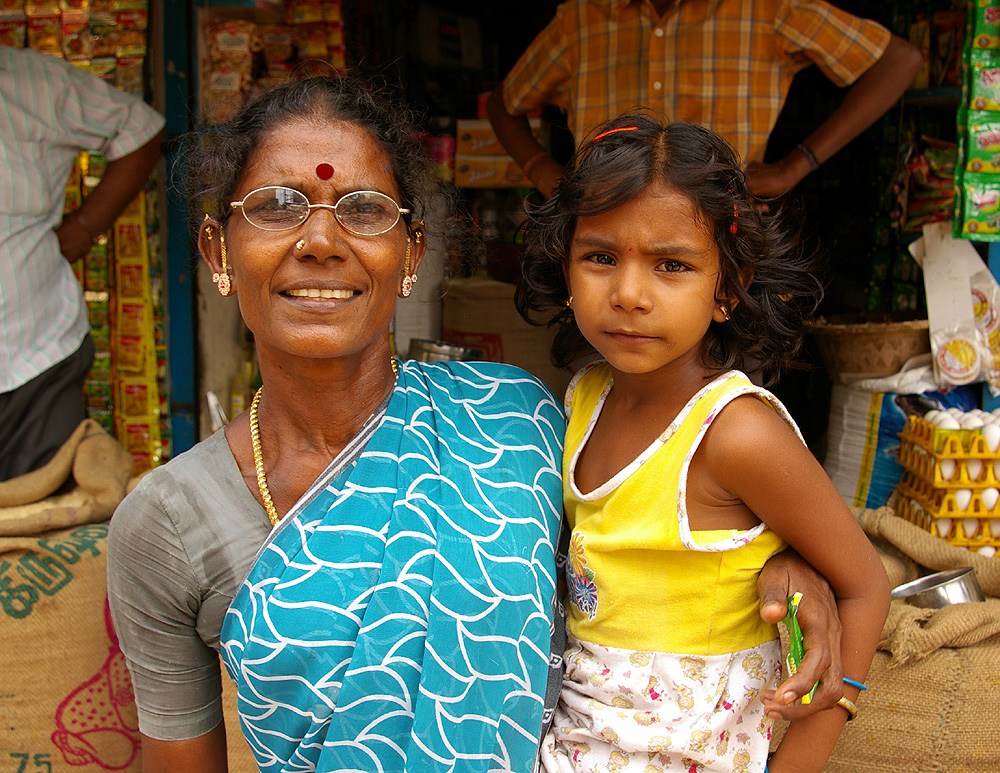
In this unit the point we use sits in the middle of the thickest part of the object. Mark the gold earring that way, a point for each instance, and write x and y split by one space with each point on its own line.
569 302
221 279
408 278
725 313
208 228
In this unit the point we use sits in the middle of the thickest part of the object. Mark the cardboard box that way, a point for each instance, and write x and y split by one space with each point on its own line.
480 313
489 172
475 137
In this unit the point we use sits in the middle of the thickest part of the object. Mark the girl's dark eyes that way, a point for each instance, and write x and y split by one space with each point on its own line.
600 258
672 266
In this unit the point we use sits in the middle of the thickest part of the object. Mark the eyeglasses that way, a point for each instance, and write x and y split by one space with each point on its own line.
277 208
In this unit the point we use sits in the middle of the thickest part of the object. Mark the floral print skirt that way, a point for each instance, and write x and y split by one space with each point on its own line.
652 711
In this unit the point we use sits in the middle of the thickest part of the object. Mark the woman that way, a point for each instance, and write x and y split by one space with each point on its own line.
398 612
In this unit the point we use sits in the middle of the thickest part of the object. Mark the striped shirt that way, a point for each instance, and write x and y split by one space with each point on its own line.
724 64
49 112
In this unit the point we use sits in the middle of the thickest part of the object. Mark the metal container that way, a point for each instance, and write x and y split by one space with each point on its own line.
439 351
954 586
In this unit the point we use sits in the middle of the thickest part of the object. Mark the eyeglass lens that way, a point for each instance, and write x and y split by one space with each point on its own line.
362 212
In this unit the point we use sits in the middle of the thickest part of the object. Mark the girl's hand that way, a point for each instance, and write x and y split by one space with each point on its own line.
782 575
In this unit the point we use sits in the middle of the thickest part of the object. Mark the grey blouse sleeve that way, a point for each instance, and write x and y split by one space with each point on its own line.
155 599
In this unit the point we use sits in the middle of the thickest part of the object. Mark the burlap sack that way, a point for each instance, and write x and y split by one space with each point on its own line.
935 679
66 702
936 714
100 468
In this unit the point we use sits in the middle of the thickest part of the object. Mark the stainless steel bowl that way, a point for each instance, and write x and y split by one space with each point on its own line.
439 351
954 586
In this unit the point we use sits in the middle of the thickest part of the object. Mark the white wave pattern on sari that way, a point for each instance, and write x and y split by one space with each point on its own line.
399 617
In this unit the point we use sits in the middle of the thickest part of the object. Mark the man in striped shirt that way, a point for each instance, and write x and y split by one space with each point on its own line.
50 111
724 64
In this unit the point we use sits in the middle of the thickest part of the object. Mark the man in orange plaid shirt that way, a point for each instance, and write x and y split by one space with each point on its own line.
724 64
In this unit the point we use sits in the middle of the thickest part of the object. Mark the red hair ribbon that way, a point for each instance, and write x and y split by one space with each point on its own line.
736 216
612 131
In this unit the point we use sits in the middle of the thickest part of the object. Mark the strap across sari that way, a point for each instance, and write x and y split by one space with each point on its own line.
399 616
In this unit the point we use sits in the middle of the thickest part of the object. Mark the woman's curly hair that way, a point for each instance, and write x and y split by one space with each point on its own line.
216 159
629 153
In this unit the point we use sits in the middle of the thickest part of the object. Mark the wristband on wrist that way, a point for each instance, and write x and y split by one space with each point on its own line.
850 706
855 683
530 163
810 156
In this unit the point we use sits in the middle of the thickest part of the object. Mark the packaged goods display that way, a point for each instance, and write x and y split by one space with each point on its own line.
977 173
105 37
951 483
240 57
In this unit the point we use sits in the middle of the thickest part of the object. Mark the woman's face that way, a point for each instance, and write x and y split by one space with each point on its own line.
317 290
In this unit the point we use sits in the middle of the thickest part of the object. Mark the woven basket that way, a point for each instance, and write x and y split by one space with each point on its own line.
852 349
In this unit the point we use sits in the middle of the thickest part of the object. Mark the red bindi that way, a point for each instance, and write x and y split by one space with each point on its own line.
324 171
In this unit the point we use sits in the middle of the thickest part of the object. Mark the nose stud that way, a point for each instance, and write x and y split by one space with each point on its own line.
300 244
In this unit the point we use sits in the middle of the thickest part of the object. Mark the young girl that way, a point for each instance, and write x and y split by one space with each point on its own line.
681 477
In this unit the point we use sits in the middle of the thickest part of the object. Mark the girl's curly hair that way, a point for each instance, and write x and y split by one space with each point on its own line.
216 159
629 153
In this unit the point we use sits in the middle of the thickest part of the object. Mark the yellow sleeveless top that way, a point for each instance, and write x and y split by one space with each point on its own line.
638 577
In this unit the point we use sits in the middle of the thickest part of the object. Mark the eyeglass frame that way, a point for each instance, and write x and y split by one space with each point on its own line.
400 211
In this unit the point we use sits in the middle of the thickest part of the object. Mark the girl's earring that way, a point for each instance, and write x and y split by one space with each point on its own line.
408 278
569 302
725 313
221 279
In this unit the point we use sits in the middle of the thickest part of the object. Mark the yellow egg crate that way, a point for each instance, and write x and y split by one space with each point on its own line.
948 458
971 528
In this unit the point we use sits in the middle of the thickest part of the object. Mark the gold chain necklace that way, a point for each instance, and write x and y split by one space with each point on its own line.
258 455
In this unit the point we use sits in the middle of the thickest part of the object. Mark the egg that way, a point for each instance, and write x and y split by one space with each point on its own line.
990 496
987 550
991 434
947 468
973 467
963 497
943 526
970 421
995 527
956 412
948 422
932 415
970 526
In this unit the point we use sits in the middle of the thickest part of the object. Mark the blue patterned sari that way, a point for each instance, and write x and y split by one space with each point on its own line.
399 617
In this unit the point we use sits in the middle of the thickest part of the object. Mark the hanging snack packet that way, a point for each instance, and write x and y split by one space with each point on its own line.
796 648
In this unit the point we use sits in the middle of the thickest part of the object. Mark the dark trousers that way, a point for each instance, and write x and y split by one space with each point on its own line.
38 417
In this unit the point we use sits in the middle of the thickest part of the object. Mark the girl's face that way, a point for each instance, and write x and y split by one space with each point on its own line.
644 281
316 290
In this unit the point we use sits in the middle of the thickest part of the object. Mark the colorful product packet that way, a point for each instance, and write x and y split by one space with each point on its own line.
796 647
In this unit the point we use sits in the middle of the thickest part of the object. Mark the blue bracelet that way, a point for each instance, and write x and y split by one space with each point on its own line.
855 684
